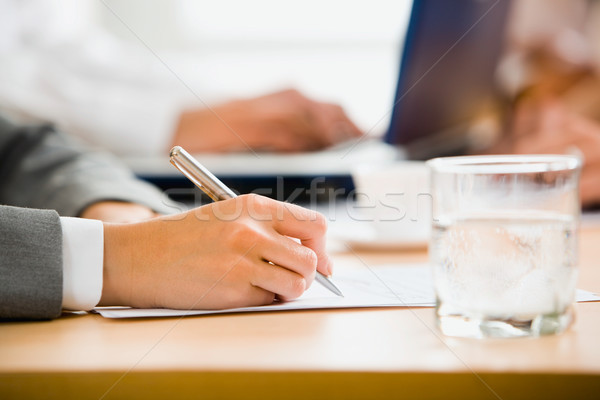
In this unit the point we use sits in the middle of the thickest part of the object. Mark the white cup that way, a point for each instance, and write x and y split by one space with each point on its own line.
395 198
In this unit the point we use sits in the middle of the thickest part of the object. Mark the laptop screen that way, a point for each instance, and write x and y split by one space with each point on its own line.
447 73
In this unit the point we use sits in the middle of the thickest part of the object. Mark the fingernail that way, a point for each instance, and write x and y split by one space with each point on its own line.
329 268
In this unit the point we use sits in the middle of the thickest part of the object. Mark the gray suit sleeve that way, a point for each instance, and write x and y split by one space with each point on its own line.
41 168
30 263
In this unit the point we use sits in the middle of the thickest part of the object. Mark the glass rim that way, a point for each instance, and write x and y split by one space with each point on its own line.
505 163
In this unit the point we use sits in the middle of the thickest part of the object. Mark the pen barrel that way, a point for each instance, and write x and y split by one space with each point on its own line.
199 175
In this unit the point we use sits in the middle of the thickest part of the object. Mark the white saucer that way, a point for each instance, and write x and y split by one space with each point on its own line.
364 236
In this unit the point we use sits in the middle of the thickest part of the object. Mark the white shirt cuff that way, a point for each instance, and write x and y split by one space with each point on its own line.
83 252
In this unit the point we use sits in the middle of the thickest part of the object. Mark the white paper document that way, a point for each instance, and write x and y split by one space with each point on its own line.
382 286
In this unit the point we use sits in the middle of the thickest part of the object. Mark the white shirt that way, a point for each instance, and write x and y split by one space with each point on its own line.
83 253
57 65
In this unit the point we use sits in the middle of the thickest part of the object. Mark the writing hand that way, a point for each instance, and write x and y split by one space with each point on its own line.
216 256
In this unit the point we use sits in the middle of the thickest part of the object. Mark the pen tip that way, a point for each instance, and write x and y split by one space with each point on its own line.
174 150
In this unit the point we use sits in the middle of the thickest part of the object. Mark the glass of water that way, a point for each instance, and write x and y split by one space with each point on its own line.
504 244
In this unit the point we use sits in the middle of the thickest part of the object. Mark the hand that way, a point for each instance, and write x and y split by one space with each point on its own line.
215 256
550 128
283 121
117 211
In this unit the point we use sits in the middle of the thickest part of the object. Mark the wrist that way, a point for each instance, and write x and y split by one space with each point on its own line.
117 211
118 265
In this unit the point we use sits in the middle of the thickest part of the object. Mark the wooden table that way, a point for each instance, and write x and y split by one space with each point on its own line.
350 354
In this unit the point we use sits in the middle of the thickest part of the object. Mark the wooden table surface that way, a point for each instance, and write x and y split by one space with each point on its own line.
350 354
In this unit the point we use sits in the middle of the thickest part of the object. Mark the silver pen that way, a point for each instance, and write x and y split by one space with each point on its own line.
216 190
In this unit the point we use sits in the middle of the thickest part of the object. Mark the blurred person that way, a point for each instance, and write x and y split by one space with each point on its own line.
57 65
208 258
551 75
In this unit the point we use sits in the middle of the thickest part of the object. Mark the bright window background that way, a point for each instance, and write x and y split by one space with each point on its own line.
341 51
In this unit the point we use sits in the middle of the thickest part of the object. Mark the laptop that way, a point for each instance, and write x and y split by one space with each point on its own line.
446 78
447 74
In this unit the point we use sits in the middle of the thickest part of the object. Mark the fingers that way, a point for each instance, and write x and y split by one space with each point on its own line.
294 132
223 295
559 131
552 120
290 220
553 129
283 121
268 225
284 283
539 117
312 124
310 228
291 255
525 119
333 123
589 186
